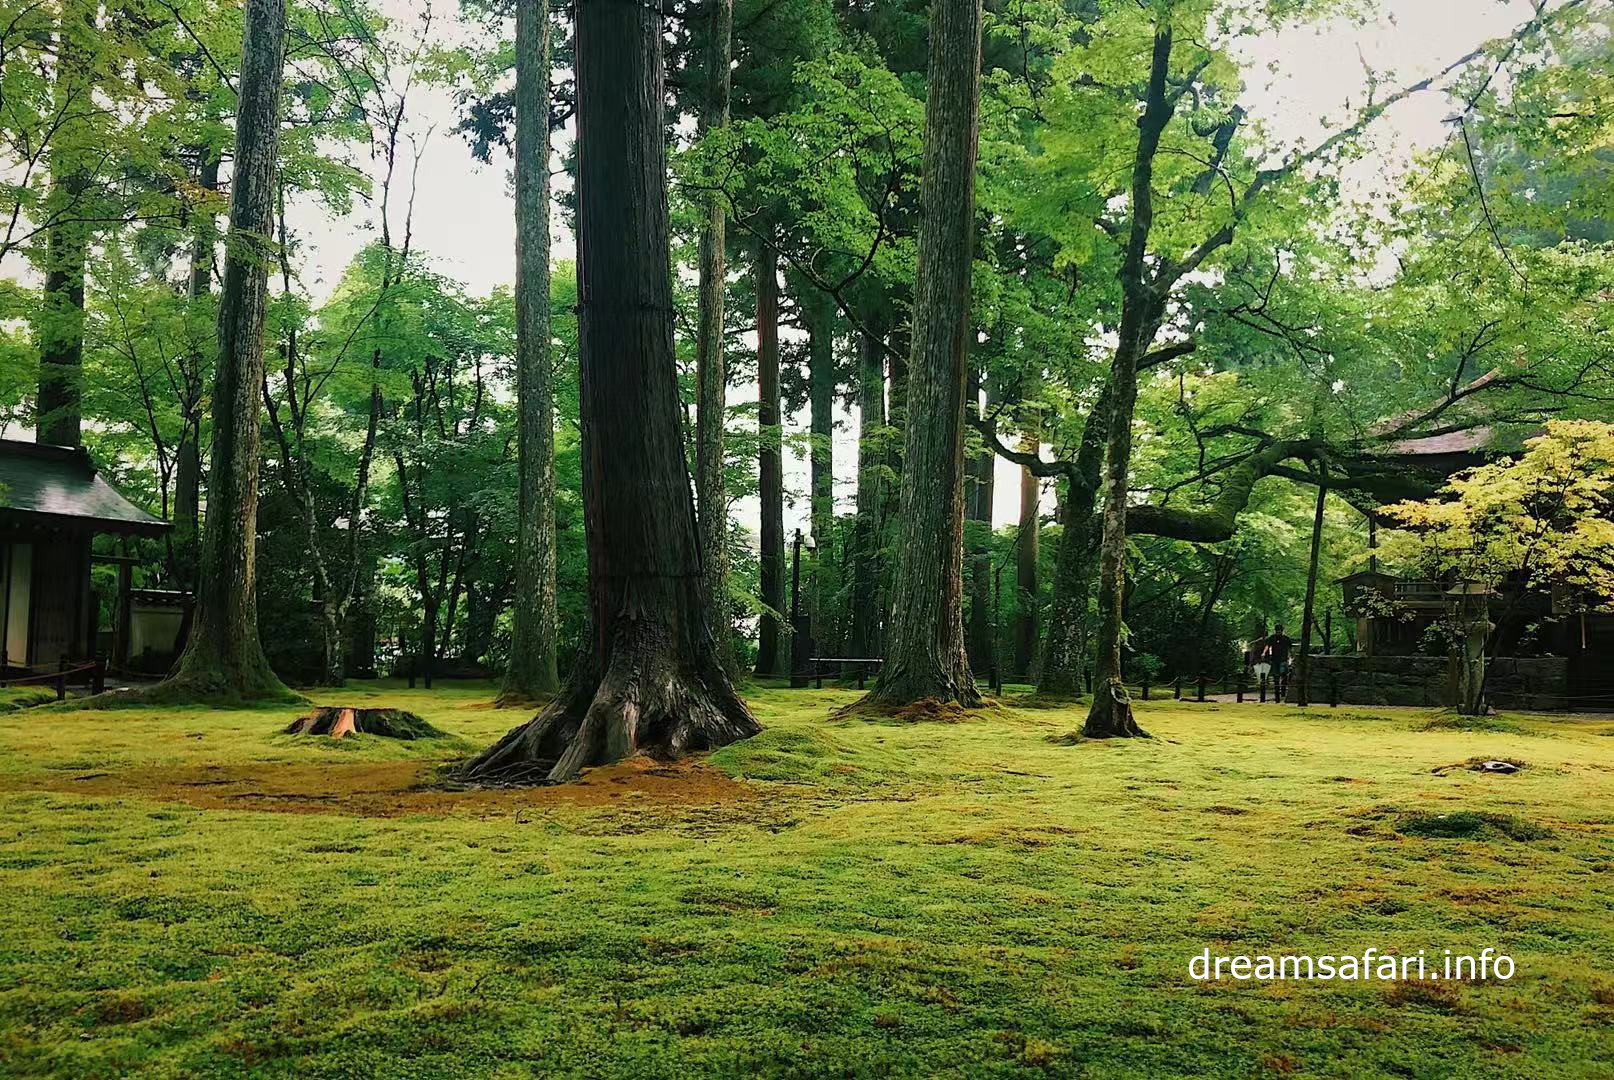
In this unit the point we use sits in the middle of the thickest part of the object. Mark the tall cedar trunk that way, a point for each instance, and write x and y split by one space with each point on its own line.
1026 548
532 669
648 679
185 547
1142 310
896 411
1060 667
865 607
60 328
770 462
223 656
820 314
711 372
982 647
188 468
1063 648
925 644
1303 674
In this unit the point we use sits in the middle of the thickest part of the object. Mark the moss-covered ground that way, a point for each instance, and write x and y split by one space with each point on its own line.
190 893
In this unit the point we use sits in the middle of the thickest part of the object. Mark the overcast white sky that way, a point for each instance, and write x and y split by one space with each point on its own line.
1297 81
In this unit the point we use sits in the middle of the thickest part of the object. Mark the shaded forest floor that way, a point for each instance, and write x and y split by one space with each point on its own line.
191 893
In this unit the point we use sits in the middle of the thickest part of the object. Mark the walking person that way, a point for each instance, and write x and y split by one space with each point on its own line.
1277 650
1255 661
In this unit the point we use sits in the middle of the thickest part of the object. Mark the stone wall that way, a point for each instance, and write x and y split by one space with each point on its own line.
1535 683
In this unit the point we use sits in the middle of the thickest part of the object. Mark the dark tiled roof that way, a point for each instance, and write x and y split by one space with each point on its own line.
61 482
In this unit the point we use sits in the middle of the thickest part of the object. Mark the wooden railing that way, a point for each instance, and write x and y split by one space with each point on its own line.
95 669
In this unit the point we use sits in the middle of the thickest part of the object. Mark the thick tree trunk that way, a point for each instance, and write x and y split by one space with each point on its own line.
865 606
1063 655
770 463
59 330
711 370
1111 713
648 679
1026 553
819 311
188 455
223 657
1062 662
900 342
187 504
925 645
981 647
532 669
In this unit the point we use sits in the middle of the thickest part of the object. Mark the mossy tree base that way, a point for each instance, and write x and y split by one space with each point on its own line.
1110 716
338 721
213 689
522 699
646 703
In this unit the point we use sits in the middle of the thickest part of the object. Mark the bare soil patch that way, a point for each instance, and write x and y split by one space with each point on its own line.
398 788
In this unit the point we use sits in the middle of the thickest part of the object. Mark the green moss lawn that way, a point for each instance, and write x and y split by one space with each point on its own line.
189 893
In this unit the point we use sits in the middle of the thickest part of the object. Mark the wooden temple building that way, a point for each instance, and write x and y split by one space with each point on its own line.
53 503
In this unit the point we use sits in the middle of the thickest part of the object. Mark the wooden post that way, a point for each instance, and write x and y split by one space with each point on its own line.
98 679
1176 689
61 678
1263 689
1242 675
1201 687
1145 689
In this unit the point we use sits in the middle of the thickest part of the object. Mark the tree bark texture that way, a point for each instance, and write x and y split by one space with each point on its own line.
648 679
188 456
711 370
1063 656
865 602
60 329
223 657
981 644
925 644
770 463
533 670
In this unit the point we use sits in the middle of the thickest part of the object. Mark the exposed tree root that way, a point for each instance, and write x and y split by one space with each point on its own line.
927 710
1110 716
338 721
520 699
642 705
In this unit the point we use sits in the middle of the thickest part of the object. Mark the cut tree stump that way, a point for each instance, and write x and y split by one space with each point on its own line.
337 721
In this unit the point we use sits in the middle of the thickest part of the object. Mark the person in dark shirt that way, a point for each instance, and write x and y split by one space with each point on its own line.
1278 647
